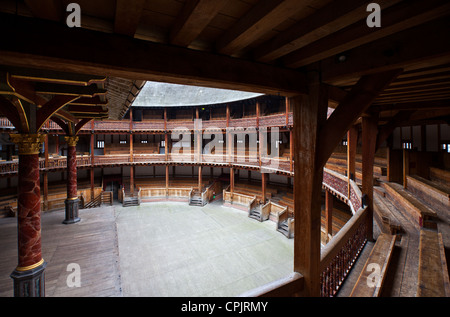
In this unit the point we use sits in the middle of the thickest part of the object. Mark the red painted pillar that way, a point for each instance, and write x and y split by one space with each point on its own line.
29 274
72 195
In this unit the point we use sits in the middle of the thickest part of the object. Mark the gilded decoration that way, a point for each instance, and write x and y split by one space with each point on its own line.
28 143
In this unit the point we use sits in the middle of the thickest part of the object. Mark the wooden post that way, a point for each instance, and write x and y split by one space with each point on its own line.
369 136
329 212
352 140
291 151
131 166
165 119
167 180
405 167
46 173
200 185
257 114
131 153
166 146
263 185
231 183
57 145
309 114
92 161
287 111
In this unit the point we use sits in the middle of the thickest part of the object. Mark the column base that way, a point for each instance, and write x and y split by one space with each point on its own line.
30 283
71 211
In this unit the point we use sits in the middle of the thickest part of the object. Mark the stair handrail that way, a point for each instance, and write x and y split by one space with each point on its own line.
265 210
252 204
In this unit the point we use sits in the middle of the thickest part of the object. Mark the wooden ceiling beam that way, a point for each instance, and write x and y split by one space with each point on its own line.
9 110
90 101
81 124
54 105
62 89
78 50
39 75
418 47
194 17
349 109
46 9
263 17
327 20
441 104
396 18
127 16
76 109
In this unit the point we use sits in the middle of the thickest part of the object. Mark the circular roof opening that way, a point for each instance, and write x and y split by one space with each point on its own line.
156 94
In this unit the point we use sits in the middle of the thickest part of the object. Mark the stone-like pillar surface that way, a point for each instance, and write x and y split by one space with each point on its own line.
72 195
29 274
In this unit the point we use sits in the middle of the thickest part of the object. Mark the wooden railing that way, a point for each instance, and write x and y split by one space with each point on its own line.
278 119
339 255
240 199
336 183
288 286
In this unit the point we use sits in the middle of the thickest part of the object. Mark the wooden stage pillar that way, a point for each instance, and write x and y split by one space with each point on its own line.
131 153
45 174
92 147
72 201
28 276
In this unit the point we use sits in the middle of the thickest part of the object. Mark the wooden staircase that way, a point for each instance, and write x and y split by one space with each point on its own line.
196 199
255 213
130 201
103 198
284 228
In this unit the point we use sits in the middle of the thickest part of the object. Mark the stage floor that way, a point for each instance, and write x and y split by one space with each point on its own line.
156 249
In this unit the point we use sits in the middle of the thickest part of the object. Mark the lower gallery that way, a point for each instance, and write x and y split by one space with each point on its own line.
224 148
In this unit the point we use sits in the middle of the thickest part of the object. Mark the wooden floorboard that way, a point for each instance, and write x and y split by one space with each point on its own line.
91 243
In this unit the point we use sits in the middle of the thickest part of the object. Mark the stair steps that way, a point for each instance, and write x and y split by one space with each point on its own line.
130 201
196 201
255 214
283 228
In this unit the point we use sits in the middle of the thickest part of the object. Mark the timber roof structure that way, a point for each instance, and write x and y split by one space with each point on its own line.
257 46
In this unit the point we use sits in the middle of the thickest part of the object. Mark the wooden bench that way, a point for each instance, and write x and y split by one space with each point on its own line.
437 195
384 216
379 257
417 212
433 280
440 175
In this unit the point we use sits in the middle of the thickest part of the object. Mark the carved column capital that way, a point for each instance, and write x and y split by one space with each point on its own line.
71 140
28 143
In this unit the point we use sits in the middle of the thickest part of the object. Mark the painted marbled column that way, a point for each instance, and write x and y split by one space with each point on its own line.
29 274
72 196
